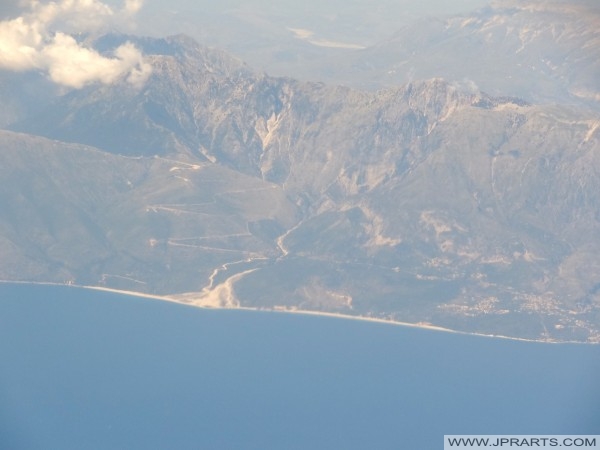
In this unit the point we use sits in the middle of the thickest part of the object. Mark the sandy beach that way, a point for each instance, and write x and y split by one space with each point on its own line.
188 300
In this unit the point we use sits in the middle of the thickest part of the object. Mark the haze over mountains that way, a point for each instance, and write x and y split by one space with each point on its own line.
463 198
541 51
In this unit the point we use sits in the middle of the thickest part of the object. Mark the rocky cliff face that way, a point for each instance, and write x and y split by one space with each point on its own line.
430 202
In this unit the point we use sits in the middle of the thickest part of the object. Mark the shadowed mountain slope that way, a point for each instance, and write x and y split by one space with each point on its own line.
429 202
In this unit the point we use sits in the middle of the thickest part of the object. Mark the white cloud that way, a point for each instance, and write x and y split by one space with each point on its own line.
40 40
133 6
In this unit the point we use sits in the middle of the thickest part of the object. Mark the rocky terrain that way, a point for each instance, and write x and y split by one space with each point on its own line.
429 202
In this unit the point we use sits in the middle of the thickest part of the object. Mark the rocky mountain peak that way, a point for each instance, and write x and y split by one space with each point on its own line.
429 201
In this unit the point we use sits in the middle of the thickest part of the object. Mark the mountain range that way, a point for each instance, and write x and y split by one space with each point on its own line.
447 200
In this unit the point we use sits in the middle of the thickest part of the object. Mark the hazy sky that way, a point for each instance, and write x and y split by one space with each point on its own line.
161 16
315 6
168 16
281 37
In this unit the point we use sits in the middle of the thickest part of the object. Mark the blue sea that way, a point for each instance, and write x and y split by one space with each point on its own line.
84 369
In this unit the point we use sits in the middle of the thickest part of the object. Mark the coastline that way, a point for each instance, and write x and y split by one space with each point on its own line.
179 299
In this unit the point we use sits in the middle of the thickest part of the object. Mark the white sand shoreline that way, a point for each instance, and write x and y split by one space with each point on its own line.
287 311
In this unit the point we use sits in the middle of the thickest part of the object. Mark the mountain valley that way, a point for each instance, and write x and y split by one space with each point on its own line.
431 201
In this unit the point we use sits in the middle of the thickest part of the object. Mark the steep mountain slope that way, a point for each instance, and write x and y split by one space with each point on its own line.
23 95
430 202
72 213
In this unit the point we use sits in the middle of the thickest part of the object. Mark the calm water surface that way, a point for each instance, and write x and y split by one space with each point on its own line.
83 369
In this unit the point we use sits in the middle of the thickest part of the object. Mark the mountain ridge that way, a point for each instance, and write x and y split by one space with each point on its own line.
429 202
